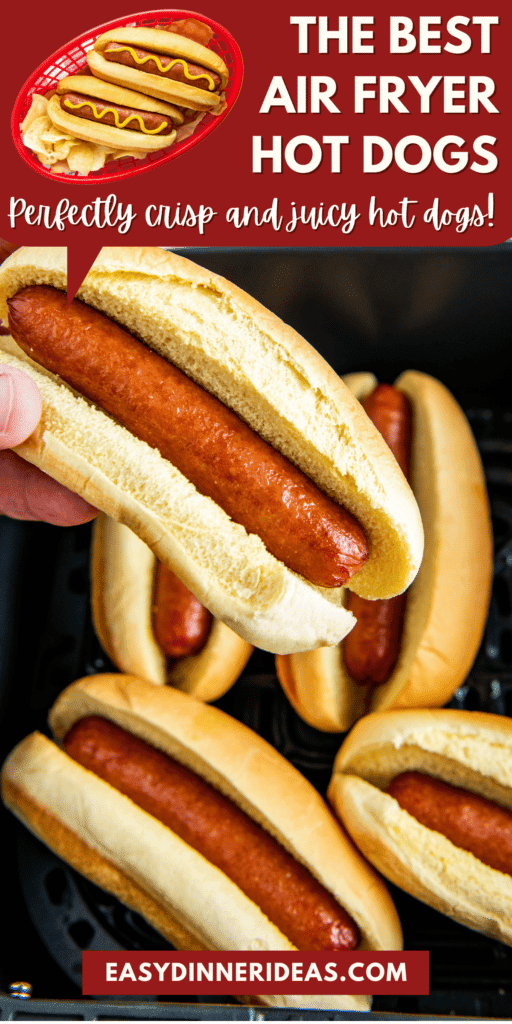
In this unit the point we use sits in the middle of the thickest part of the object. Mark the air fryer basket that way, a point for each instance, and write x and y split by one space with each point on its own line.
448 313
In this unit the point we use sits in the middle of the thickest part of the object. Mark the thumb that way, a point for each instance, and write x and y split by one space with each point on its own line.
20 406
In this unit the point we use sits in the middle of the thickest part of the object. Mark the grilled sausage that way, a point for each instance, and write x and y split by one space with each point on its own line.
181 624
131 119
176 68
210 823
207 442
470 821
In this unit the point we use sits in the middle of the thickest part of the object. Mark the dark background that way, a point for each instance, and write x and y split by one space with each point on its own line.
445 312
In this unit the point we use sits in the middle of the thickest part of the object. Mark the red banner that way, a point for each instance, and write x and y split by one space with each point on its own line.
375 129
165 973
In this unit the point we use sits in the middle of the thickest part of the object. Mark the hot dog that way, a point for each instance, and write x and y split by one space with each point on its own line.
167 65
96 111
371 650
426 796
180 621
421 648
149 623
266 411
275 871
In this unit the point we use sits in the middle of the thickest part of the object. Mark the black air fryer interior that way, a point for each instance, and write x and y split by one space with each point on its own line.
446 313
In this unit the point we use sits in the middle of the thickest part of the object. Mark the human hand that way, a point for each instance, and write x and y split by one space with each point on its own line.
25 491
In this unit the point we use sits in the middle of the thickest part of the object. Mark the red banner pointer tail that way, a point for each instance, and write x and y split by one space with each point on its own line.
80 260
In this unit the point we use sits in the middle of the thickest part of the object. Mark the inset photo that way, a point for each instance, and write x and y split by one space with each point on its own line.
127 96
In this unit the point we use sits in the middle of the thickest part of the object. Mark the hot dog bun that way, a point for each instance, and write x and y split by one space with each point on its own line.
109 135
128 852
273 380
469 749
447 604
122 588
165 43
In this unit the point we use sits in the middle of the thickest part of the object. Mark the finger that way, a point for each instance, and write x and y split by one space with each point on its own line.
20 406
28 493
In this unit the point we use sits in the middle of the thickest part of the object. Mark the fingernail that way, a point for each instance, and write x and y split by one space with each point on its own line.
6 402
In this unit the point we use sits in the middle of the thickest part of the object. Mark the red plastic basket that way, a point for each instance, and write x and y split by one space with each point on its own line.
71 59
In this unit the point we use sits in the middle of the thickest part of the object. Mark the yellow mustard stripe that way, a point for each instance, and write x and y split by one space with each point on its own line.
156 58
131 117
